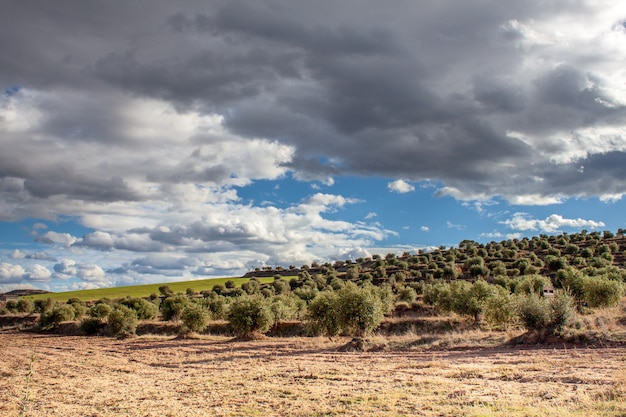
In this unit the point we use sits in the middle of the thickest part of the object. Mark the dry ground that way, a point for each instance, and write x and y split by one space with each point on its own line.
48 375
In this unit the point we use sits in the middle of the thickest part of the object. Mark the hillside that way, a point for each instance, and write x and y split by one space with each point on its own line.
593 253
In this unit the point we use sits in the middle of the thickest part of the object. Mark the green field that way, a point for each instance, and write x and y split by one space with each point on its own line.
143 290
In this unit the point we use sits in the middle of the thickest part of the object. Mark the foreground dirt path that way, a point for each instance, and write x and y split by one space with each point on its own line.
46 375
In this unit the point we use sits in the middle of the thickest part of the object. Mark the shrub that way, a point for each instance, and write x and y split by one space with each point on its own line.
155 299
469 299
195 318
75 301
562 310
305 294
122 321
145 309
280 285
250 315
91 325
539 313
42 306
322 314
251 287
359 309
172 307
407 295
533 311
25 305
100 311
499 308
53 318
528 284
387 297
439 295
216 304
336 283
11 306
601 291
166 291
572 281
287 306
79 311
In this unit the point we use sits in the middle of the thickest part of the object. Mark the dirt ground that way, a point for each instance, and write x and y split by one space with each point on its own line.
49 375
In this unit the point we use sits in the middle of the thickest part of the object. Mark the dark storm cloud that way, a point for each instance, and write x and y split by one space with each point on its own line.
105 190
484 98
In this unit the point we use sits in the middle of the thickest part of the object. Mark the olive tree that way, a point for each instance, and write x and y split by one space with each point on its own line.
248 315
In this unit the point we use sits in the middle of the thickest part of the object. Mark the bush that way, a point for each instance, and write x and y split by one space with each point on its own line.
469 299
53 318
75 301
11 306
250 315
359 309
562 309
305 294
251 287
601 291
322 314
166 291
25 305
280 285
172 307
533 311
195 318
100 311
499 308
79 311
91 325
387 297
439 295
287 307
528 284
42 306
145 309
539 313
216 304
407 295
122 321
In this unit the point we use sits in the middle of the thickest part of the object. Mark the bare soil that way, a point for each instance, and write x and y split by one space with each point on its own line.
52 375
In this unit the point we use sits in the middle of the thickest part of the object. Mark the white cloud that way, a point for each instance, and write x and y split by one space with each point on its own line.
425 229
535 200
499 235
551 224
463 195
64 239
10 273
92 274
17 254
370 215
451 225
400 186
38 273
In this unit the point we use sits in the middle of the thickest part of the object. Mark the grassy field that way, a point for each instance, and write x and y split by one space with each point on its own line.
143 290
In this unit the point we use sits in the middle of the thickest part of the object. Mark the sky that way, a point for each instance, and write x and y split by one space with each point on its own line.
156 141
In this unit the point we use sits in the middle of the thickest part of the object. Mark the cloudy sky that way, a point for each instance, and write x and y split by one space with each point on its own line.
152 141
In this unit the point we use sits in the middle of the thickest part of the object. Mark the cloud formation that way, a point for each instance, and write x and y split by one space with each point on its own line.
147 129
551 224
400 186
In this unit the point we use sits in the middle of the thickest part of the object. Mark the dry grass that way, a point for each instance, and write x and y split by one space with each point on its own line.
216 376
